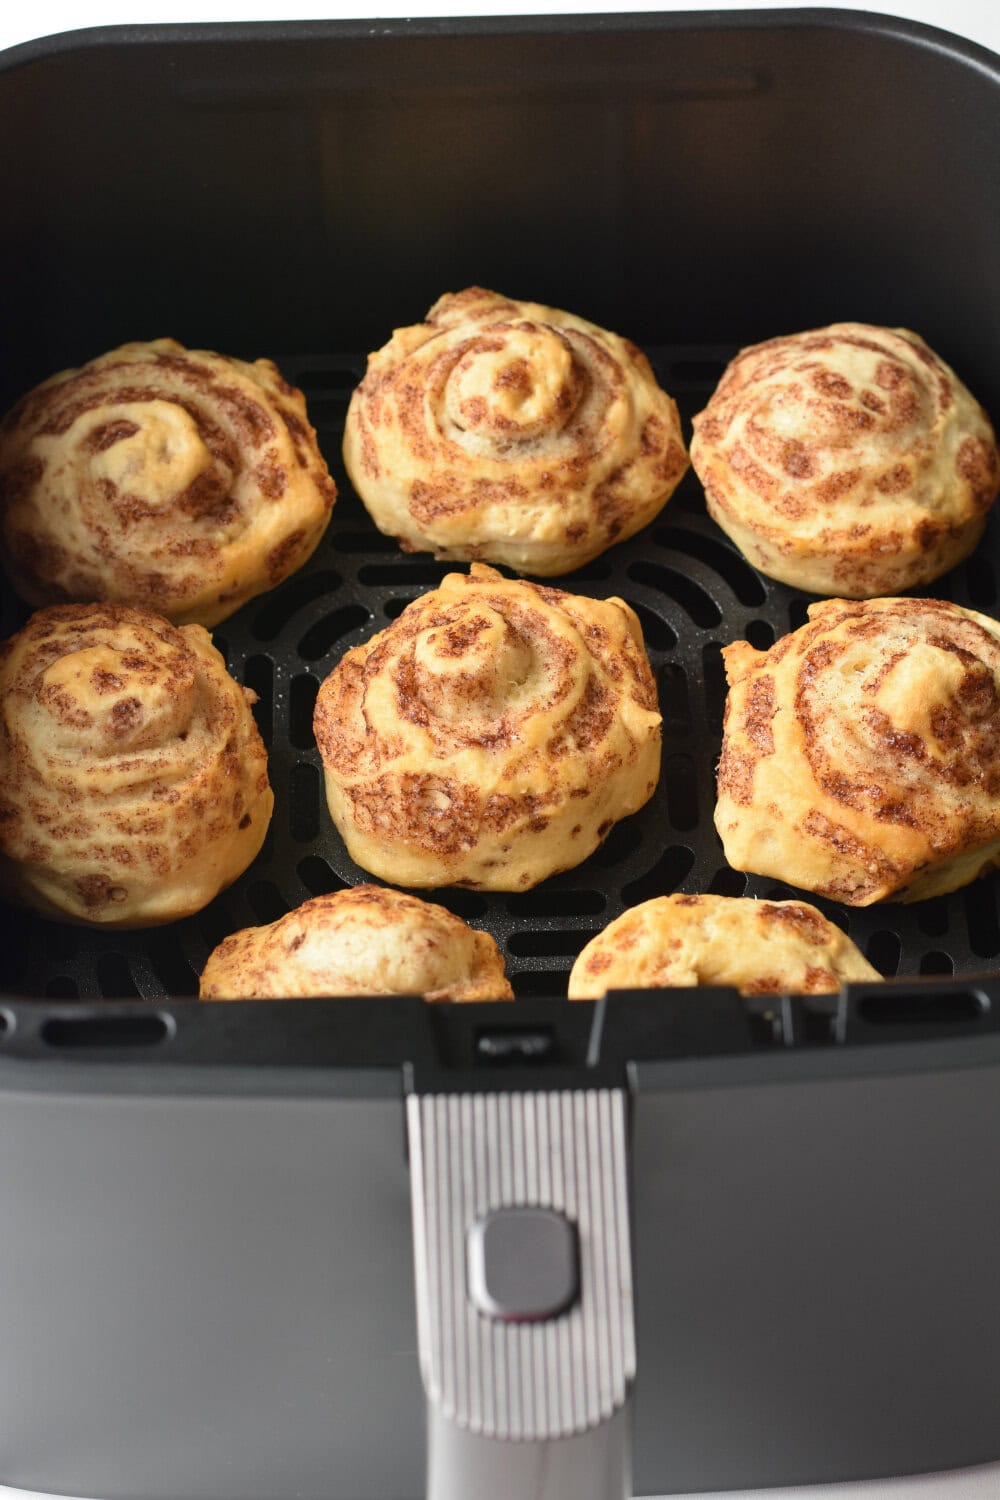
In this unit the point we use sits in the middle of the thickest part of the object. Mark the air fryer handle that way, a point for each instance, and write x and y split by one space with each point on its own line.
593 1465
523 1272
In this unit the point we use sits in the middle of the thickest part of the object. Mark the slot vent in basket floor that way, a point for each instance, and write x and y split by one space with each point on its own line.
693 593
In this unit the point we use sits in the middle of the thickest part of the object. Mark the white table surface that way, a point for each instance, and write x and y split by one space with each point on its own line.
978 20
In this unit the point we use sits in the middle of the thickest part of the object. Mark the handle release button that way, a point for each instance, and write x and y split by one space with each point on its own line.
523 1264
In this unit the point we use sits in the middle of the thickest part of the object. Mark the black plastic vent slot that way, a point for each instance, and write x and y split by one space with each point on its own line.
728 882
543 903
718 555
931 1007
882 950
274 612
321 637
561 943
541 983
937 962
663 879
692 598
317 877
79 1033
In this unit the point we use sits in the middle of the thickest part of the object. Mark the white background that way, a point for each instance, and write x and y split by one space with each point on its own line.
979 20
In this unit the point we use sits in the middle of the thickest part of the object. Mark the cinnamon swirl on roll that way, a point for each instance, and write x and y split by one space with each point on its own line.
133 781
849 460
491 736
759 947
177 479
512 432
861 753
365 941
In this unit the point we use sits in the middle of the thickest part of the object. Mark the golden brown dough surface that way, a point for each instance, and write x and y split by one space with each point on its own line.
849 460
861 753
177 479
511 432
133 781
490 736
760 947
365 941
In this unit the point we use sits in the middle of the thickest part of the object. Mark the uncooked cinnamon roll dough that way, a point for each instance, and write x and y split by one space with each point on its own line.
861 753
849 460
133 781
365 941
760 947
178 479
491 736
512 432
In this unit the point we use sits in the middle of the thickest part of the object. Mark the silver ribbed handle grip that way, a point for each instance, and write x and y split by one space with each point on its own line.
525 1320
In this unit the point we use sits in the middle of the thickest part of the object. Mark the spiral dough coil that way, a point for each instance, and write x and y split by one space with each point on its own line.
861 753
365 941
848 461
511 432
177 479
760 947
491 736
133 781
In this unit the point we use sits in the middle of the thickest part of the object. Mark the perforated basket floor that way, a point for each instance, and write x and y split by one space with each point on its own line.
693 593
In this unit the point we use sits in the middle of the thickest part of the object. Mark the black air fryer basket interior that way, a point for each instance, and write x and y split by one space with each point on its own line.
207 1270
299 193
693 593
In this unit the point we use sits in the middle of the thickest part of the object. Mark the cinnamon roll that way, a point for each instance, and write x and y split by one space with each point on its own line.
491 736
849 460
861 753
759 947
365 941
177 479
133 781
512 432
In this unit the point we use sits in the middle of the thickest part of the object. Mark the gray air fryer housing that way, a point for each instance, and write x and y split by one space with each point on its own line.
206 1250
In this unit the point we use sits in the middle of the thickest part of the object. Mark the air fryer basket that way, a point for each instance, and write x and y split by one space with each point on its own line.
693 593
205 1249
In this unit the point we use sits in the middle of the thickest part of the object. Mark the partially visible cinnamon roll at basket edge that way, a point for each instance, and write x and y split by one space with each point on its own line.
511 432
849 460
368 940
177 479
861 753
133 780
759 947
491 736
